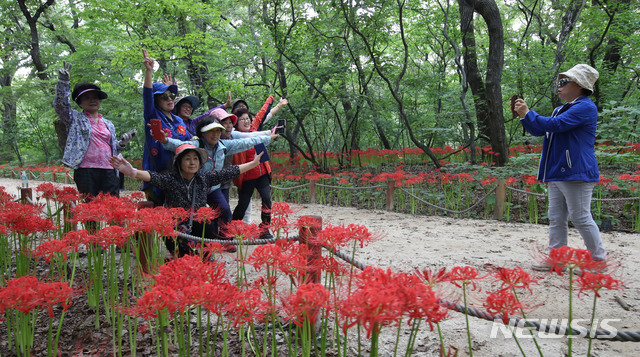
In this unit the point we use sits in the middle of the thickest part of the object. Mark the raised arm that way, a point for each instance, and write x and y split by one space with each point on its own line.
61 102
125 167
148 69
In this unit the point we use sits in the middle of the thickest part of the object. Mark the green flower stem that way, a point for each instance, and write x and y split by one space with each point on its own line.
591 328
466 317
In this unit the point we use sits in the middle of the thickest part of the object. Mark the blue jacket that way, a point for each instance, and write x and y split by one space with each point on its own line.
78 128
217 154
568 149
155 157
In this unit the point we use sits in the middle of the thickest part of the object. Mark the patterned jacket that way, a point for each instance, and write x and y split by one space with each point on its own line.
178 192
78 128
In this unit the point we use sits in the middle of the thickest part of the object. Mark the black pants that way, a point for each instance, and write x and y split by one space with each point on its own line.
262 184
93 181
210 231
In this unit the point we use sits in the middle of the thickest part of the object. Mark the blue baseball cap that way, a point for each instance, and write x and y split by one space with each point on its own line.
159 88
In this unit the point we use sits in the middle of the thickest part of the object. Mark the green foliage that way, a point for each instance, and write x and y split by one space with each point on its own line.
307 52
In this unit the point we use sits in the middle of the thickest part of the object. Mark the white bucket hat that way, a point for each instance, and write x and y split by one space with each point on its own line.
583 75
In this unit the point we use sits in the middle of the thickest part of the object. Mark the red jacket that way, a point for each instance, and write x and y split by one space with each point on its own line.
247 156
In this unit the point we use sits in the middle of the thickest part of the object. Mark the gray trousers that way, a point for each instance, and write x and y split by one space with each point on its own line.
572 199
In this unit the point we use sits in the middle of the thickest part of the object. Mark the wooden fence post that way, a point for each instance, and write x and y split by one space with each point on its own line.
315 254
312 191
315 250
501 193
144 241
26 194
391 186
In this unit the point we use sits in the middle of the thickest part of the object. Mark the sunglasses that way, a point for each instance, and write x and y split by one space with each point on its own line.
563 82
168 97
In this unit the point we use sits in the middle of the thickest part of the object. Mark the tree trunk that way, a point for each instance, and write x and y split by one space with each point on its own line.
488 94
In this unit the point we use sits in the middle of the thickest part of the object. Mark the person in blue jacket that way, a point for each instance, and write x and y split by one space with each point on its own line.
158 101
568 162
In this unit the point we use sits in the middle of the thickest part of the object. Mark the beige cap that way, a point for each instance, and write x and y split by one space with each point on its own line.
582 74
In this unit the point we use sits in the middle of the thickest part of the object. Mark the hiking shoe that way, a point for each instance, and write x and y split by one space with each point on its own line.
544 266
266 235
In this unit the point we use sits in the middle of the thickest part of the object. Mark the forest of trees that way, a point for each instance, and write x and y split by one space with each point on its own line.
358 74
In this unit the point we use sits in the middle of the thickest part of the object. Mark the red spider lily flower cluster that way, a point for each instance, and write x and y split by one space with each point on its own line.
27 293
206 214
104 208
245 232
515 278
24 218
339 236
596 282
64 195
280 212
466 275
432 278
288 258
572 258
503 303
50 248
306 303
383 298
159 220
180 284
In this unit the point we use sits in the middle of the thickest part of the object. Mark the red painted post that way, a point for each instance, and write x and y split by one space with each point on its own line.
144 242
315 250
53 176
26 194
312 191
391 185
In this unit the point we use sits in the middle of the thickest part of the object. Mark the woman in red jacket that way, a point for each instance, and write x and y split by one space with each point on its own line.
258 178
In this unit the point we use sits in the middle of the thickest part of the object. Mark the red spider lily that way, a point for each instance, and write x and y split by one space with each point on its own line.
63 195
432 278
242 231
137 197
515 278
104 208
206 214
27 293
4 196
281 209
595 282
307 222
503 303
154 220
331 265
571 258
530 179
4 230
75 238
179 214
375 303
51 248
265 255
216 297
246 306
210 249
291 259
159 299
281 225
306 303
339 236
111 235
464 276
24 218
